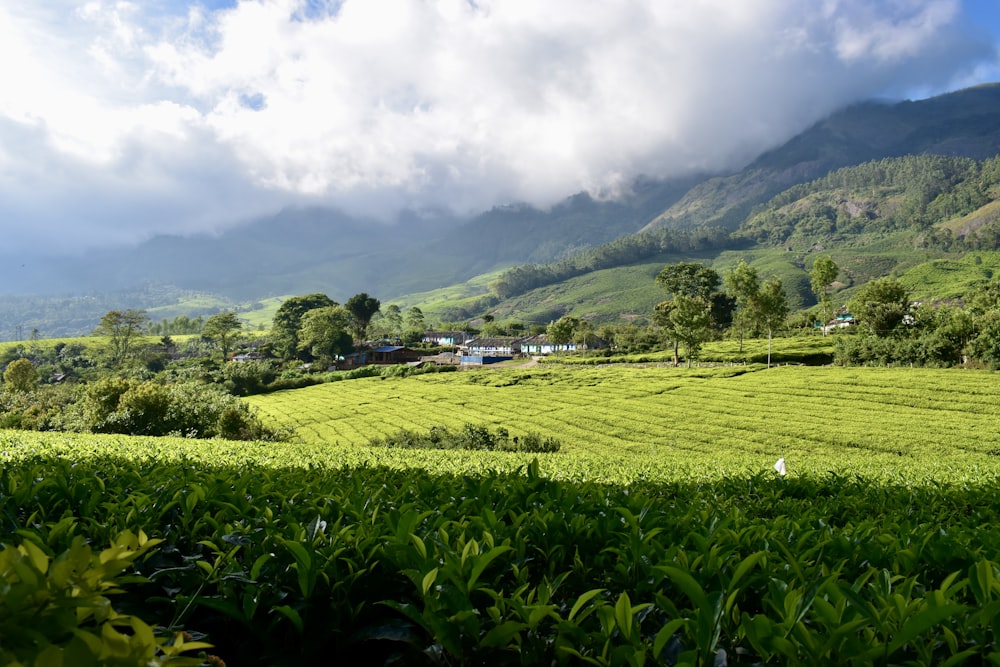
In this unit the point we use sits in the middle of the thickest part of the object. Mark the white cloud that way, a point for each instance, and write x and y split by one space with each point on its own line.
160 116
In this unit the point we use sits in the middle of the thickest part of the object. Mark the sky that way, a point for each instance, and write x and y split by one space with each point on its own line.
120 120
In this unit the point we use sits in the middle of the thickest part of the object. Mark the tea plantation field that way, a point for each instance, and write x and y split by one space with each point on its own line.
620 423
659 533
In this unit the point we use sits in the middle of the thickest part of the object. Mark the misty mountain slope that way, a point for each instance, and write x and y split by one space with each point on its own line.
964 123
317 249
917 217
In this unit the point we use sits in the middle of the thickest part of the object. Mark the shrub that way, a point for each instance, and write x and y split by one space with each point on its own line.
248 377
189 409
471 437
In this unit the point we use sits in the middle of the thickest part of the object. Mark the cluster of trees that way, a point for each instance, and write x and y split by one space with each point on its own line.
892 194
892 330
113 403
123 383
699 311
314 326
568 329
471 437
392 323
623 251
126 383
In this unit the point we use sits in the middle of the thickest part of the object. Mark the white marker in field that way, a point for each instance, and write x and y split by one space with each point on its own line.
780 467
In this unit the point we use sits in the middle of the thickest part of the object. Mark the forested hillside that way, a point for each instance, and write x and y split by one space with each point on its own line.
916 193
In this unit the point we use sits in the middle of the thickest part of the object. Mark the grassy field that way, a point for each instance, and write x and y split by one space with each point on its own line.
624 423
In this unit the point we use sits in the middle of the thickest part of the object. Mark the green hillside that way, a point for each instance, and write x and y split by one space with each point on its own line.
931 221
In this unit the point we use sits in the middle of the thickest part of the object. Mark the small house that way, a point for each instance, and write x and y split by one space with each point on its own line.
540 345
490 350
394 354
449 338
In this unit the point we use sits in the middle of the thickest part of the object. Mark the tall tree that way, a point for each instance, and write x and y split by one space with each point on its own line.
324 332
688 321
362 308
689 279
288 320
122 329
222 329
823 272
414 319
389 321
743 284
692 285
983 298
771 309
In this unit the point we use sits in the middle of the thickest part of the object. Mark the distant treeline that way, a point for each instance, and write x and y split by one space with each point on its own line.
620 252
893 194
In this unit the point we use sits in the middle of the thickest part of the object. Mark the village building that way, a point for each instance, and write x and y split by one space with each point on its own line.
394 354
449 338
540 345
490 350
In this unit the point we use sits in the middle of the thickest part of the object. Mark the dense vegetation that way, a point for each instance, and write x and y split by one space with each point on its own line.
659 533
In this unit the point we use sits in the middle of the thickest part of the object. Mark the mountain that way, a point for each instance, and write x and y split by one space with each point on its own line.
965 123
318 249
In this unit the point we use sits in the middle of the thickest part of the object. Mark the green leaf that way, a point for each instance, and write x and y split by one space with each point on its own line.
687 584
665 634
483 561
303 566
745 566
921 622
50 656
38 558
428 581
292 616
582 600
257 565
623 615
501 635
419 545
982 581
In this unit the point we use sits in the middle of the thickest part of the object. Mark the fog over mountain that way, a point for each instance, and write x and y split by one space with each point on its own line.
122 120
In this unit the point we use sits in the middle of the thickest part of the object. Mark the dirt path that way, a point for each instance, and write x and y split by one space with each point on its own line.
528 364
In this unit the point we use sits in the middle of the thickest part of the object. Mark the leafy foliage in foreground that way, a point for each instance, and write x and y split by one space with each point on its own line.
367 563
55 610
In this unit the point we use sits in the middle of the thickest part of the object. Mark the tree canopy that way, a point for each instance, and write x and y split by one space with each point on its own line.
20 376
324 333
222 329
288 320
362 308
823 272
881 305
122 329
